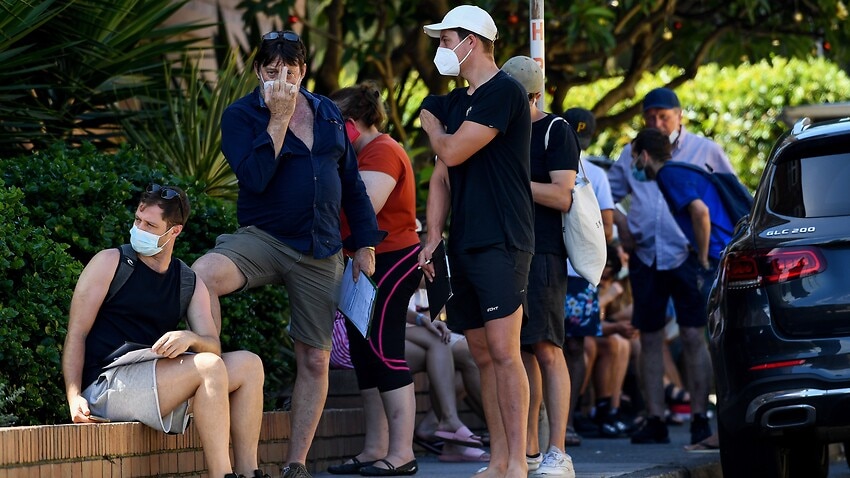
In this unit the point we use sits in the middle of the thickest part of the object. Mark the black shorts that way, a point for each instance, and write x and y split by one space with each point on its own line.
547 289
652 289
488 283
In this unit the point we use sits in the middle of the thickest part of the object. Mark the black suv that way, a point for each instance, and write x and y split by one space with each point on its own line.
779 312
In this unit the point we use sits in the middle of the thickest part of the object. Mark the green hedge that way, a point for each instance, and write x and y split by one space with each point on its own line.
57 209
37 278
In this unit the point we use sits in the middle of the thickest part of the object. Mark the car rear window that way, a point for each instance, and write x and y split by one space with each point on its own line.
814 186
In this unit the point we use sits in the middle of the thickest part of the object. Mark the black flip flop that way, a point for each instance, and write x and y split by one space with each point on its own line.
435 447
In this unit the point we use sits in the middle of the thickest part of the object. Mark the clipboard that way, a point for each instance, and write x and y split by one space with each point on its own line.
440 289
357 299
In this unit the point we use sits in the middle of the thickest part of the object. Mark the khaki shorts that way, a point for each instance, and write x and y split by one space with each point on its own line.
128 394
312 284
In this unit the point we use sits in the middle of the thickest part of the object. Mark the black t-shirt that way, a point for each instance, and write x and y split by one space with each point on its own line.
490 192
562 154
147 306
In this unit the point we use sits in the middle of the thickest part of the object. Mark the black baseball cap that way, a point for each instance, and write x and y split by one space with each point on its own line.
584 124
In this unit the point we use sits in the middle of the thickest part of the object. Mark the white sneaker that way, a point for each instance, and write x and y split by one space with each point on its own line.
555 463
534 461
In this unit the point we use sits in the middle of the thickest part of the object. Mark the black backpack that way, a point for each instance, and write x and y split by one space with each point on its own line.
126 265
736 199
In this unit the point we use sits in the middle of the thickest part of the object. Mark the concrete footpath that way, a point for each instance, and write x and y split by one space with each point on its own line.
602 458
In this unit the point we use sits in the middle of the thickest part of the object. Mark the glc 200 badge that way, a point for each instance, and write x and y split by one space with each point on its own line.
796 230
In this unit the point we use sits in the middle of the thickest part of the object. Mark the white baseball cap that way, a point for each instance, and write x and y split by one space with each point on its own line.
468 17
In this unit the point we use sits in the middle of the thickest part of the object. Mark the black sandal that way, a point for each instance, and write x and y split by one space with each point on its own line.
409 468
352 468
435 447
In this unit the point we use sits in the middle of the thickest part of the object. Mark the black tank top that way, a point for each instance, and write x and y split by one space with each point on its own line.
147 306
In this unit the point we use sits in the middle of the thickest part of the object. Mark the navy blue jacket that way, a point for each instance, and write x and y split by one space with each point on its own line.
296 197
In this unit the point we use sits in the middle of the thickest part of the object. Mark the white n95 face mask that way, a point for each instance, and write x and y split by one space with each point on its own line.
145 243
446 61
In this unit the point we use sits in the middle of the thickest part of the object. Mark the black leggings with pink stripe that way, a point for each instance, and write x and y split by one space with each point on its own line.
379 361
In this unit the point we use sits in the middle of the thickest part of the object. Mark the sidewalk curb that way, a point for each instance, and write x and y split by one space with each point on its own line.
709 470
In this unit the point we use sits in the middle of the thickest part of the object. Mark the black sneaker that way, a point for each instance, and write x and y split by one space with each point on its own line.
610 427
654 430
295 470
700 428
626 425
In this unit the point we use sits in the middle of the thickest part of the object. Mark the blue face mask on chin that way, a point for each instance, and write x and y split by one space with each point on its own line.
639 174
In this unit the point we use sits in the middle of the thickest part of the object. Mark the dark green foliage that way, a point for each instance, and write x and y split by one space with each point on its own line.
57 209
83 198
37 278
7 404
258 321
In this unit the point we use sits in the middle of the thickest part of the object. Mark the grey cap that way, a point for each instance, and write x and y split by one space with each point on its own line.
526 71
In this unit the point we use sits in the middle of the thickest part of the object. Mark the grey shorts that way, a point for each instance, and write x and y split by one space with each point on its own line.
547 290
312 284
128 394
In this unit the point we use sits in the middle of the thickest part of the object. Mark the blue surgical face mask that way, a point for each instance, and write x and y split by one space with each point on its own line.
639 173
145 243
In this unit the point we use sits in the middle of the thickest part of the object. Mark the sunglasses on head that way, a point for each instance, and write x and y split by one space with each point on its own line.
286 35
167 193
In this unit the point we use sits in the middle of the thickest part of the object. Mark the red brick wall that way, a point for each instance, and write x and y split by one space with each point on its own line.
132 450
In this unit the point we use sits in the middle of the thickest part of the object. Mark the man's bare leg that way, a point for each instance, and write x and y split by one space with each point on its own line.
221 276
245 374
535 386
308 399
202 377
499 452
577 368
697 366
652 371
512 387
556 390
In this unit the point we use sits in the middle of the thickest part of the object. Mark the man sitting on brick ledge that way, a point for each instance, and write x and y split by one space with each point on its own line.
185 367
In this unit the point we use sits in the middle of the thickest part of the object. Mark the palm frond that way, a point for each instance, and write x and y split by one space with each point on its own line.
181 127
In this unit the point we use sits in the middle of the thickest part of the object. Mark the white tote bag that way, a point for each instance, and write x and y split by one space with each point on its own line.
584 235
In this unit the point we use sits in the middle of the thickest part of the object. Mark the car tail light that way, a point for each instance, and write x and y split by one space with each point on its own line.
771 266
772 365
